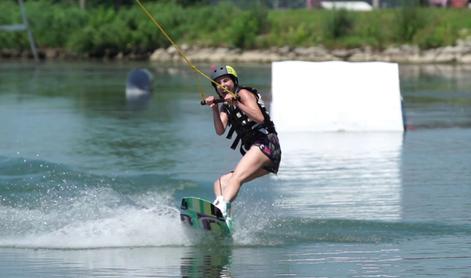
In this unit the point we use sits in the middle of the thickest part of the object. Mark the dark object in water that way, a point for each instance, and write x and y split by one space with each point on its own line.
139 84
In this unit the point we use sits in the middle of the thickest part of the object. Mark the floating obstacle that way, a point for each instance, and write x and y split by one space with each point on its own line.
139 83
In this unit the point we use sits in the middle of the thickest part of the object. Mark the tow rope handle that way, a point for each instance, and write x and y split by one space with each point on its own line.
219 100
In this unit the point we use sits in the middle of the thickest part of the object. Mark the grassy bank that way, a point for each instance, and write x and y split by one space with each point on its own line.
102 31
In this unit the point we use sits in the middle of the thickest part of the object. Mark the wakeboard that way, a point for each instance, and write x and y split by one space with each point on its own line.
201 214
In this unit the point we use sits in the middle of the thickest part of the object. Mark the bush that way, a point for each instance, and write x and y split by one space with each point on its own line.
373 28
302 29
11 15
339 25
409 22
53 24
438 32
243 31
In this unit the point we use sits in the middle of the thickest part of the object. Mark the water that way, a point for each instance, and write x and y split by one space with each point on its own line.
90 182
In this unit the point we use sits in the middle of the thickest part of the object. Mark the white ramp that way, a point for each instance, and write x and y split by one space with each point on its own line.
336 96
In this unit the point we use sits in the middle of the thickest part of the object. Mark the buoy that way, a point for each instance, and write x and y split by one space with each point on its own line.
139 84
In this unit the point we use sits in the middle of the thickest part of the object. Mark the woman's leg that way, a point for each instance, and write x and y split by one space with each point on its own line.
221 183
248 168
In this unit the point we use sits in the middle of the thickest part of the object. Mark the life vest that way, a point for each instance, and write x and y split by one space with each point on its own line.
246 129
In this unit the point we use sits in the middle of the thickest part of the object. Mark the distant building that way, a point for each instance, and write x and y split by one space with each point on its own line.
315 4
450 3
438 3
347 5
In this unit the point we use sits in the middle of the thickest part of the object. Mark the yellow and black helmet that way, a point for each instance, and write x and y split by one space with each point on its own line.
222 70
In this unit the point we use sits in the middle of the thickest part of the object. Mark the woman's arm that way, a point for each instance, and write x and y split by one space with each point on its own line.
220 119
248 104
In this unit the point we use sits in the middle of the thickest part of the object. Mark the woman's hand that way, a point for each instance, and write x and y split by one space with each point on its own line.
210 101
229 99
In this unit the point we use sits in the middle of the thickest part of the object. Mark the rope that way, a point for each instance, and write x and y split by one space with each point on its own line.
179 50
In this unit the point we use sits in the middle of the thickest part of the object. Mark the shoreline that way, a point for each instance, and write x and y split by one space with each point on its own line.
458 54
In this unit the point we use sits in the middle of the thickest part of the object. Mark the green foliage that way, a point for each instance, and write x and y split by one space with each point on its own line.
52 24
243 30
339 24
109 32
104 34
102 30
11 15
373 28
434 35
208 25
302 29
410 20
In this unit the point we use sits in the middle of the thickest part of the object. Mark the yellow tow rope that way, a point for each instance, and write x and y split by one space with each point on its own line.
179 50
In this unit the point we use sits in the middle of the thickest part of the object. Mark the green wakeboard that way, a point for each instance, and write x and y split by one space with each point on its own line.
203 215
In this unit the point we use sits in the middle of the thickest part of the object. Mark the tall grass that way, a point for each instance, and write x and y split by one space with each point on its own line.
339 24
410 20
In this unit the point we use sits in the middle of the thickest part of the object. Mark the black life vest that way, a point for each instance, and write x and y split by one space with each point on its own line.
246 129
